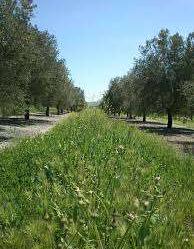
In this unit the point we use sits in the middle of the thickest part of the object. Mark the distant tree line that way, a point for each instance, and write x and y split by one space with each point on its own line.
31 74
161 81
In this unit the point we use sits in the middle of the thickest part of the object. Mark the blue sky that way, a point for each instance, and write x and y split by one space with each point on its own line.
100 38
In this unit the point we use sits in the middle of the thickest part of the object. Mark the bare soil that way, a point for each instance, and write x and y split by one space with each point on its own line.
15 127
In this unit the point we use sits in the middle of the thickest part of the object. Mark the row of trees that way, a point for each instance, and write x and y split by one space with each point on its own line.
161 81
31 74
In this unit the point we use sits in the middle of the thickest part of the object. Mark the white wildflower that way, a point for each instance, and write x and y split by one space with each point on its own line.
146 203
136 202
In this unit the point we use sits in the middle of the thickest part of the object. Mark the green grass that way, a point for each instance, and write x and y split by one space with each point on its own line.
184 122
20 110
96 183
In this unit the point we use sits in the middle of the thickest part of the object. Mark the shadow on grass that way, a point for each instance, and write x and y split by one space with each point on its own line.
139 122
162 130
174 136
184 145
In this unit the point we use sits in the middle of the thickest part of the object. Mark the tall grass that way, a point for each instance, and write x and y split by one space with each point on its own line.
96 183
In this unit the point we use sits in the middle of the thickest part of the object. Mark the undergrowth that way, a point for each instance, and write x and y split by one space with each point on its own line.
93 182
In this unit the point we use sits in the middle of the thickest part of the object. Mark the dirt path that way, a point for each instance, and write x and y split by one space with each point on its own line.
14 128
179 136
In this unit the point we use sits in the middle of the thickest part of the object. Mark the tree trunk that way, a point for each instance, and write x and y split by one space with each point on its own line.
129 115
47 111
58 110
144 117
27 115
62 111
169 125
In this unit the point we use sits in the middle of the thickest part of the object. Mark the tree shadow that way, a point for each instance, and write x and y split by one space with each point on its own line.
39 114
162 130
4 138
22 122
136 121
175 135
139 122
2 129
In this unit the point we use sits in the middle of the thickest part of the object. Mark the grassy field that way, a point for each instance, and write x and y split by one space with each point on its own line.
184 122
96 183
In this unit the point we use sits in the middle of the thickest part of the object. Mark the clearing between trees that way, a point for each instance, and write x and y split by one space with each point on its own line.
14 128
179 136
93 182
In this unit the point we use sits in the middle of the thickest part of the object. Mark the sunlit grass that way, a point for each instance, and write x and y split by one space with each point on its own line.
181 121
96 183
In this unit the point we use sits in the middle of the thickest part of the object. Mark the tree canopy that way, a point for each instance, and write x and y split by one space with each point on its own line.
31 72
161 81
